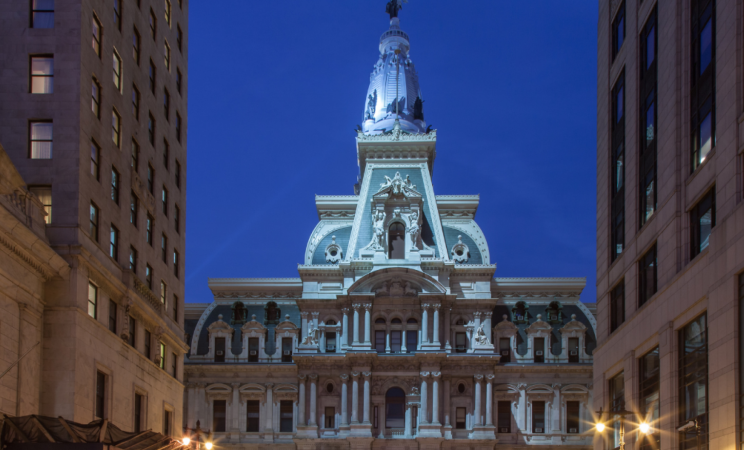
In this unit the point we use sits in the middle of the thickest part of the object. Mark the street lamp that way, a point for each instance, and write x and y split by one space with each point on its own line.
644 427
194 435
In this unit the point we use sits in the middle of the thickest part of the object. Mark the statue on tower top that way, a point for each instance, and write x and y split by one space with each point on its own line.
393 6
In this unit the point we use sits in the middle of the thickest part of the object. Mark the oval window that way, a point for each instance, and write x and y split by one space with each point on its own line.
329 388
461 388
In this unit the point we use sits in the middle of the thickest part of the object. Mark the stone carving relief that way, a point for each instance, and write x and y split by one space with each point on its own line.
460 252
378 226
396 288
481 338
334 253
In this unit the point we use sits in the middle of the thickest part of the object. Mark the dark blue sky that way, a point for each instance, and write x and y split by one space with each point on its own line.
276 89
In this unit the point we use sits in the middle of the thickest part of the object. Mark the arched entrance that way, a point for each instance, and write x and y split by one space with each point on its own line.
395 408
397 241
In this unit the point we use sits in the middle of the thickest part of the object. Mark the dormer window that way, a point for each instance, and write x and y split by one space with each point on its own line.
271 313
239 313
554 312
397 241
519 312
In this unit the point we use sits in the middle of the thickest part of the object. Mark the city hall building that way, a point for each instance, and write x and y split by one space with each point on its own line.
396 334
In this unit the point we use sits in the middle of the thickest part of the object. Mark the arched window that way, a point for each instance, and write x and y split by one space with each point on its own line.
395 400
519 312
239 314
380 320
397 241
272 313
331 322
412 321
395 321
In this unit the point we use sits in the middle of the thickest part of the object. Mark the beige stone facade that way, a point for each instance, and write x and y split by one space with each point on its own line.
89 103
694 283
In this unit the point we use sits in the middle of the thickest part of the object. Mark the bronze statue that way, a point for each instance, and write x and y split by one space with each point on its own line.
393 6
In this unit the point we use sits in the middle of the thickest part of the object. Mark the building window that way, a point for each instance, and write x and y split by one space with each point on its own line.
177 219
176 263
115 128
42 13
100 395
44 194
538 417
693 383
96 28
286 350
175 308
618 30
114 243
397 241
117 71
648 124
164 198
178 127
179 38
151 129
162 356
617 306
92 300
135 102
167 422
132 339
166 153
504 416
95 157
135 155
133 209
42 74
151 74
178 80
95 104
138 405
115 185
117 14
219 349
460 418
573 417
330 417
617 200
150 178
148 276
40 140
163 246
163 292
411 337
148 229
617 403
148 344
112 316
174 365
395 341
702 221
167 12
253 413
166 104
380 341
539 344
136 43
166 55
93 221
702 92
219 414
285 416
647 276
133 259
649 397
153 24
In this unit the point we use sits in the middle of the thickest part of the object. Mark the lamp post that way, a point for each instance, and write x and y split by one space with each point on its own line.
195 435
644 427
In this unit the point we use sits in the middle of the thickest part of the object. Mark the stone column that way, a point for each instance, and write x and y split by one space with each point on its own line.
435 397
304 315
313 398
356 307
522 407
409 418
489 399
354 397
367 323
365 412
403 347
447 318
423 414
447 406
344 400
345 328
424 324
477 408
436 323
301 403
387 339
269 423
235 407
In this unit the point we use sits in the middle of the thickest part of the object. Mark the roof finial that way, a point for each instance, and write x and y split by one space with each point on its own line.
393 6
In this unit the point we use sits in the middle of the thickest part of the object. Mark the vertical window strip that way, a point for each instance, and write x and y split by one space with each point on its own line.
693 384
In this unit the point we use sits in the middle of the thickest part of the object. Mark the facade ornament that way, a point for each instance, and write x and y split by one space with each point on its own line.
415 390
302 376
378 226
312 338
436 374
481 338
371 106
490 377
354 374
344 377
460 252
333 252
414 229
396 287
425 374
478 377
399 187
366 374
125 328
313 376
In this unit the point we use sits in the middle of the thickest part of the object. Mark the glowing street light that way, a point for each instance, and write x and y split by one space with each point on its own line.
197 433
600 427
645 428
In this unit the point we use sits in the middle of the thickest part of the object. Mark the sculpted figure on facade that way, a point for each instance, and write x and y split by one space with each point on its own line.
481 338
378 225
414 229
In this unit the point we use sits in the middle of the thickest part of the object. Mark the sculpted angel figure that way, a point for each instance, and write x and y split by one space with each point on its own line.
378 223
414 229
480 337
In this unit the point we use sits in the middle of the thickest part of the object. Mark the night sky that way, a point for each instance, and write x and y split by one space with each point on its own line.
276 88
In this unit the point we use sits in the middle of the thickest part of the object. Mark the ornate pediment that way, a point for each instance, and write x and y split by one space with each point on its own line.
505 326
538 326
397 287
253 325
395 281
397 187
286 324
220 326
574 326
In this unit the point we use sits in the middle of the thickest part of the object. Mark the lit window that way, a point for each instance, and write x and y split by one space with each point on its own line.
702 221
162 356
117 71
135 102
163 291
42 13
95 153
96 28
114 243
136 42
44 194
92 300
42 74
93 221
115 185
41 140
115 128
95 105
168 12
